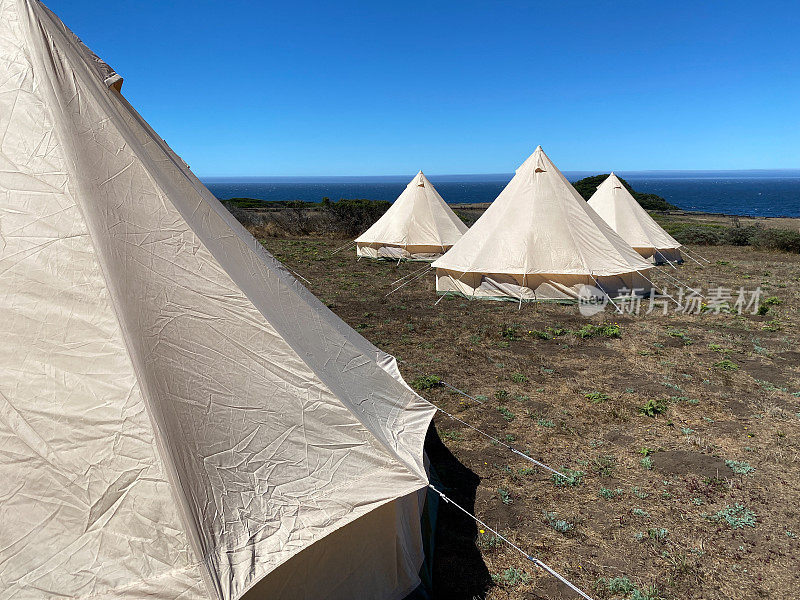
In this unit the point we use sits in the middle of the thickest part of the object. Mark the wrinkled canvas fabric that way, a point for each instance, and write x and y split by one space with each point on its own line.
180 418
625 215
538 231
419 225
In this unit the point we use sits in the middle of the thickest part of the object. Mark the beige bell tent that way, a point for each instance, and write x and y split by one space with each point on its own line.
418 226
539 240
632 222
179 418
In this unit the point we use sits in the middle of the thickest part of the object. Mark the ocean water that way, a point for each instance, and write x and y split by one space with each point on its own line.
755 193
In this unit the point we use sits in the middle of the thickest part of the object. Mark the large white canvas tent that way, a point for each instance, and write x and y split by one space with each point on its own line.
539 240
632 222
179 418
418 226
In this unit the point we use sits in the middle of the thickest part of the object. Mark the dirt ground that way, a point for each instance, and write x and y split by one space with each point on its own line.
679 433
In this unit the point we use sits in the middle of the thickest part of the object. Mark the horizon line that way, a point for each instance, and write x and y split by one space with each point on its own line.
501 174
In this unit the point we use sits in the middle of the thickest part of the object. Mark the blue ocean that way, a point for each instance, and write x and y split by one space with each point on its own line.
768 193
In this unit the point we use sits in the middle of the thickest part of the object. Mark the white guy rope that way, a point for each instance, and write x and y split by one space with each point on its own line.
409 281
483 433
347 246
599 287
678 304
669 262
410 274
527 556
685 249
500 442
676 280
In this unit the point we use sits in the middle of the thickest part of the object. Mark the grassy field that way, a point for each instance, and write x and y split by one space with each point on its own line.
679 433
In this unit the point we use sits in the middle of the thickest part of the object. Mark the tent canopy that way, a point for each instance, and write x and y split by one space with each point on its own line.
180 418
538 232
615 204
419 224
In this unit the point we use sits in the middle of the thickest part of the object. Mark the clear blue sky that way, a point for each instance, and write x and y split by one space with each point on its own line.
366 88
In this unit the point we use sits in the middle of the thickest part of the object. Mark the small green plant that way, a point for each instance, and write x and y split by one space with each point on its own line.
568 478
511 577
596 397
545 423
639 493
765 305
488 541
505 497
509 332
718 348
687 430
542 335
653 407
681 335
605 465
726 365
646 462
638 512
773 325
606 330
737 516
559 525
507 414
518 378
454 436
616 585
740 467
609 494
649 593
658 535
501 394
426 382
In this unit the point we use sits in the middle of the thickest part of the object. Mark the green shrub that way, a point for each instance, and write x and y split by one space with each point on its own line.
726 365
697 234
778 239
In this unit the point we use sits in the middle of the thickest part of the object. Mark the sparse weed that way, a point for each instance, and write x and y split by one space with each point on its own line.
596 397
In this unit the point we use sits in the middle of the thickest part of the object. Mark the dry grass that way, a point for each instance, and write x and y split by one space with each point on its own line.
575 402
